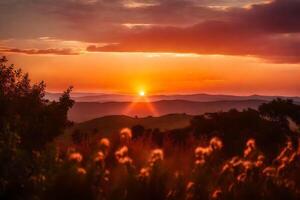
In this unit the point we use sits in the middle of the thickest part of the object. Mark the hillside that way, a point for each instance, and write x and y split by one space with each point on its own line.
83 111
109 125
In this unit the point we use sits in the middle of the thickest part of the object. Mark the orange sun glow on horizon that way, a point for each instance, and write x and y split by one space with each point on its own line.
142 93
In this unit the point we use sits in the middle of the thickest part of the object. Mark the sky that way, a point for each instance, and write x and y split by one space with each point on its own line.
238 47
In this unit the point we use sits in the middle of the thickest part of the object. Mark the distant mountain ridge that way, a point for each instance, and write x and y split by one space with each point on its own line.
93 105
83 111
102 97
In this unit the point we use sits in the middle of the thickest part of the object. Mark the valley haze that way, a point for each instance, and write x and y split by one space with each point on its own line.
89 106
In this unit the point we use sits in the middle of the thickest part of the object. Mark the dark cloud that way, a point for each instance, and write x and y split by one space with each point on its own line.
94 21
280 16
267 30
39 51
270 31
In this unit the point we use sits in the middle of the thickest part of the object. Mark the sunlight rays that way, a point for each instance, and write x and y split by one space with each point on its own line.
141 104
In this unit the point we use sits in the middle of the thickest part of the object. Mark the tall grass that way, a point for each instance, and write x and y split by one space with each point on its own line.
139 169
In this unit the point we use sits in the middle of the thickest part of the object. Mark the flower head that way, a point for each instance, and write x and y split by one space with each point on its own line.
81 171
144 172
250 148
125 135
104 143
76 157
216 143
156 156
99 157
122 152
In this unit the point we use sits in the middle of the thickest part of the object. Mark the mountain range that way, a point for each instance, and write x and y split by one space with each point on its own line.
83 111
102 97
89 106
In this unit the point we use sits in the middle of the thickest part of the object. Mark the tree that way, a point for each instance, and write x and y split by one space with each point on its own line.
26 112
236 127
279 109
28 122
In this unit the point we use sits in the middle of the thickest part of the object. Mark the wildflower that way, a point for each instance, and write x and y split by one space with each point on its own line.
99 157
235 161
293 157
202 152
81 171
269 171
199 163
281 168
226 167
283 164
122 152
190 190
251 143
242 177
232 164
260 161
216 194
215 143
247 165
104 143
125 160
125 135
106 175
122 156
287 151
106 172
156 156
250 147
190 186
144 172
76 157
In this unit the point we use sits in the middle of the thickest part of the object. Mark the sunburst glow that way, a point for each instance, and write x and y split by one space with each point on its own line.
142 93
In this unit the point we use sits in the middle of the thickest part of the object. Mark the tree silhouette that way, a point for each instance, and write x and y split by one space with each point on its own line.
236 127
25 110
279 109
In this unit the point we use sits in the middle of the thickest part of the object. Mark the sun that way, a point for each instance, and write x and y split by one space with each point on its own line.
142 93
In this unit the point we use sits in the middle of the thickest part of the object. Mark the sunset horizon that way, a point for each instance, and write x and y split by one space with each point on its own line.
124 76
224 47
150 99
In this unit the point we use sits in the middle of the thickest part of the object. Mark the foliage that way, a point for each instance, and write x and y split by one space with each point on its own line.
28 125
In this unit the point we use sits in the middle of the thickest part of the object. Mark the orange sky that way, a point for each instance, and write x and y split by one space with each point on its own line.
161 73
211 46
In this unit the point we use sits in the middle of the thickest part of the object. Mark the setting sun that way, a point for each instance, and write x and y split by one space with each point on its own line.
142 93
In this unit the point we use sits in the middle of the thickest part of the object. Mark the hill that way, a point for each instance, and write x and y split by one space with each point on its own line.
83 111
109 125
102 97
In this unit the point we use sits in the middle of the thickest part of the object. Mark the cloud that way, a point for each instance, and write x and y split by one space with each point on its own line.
49 51
206 39
262 28
279 16
270 31
96 21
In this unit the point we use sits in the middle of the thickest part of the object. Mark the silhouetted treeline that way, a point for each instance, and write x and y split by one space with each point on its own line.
250 154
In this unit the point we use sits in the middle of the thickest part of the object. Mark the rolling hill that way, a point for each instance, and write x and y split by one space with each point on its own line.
111 125
83 111
102 97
